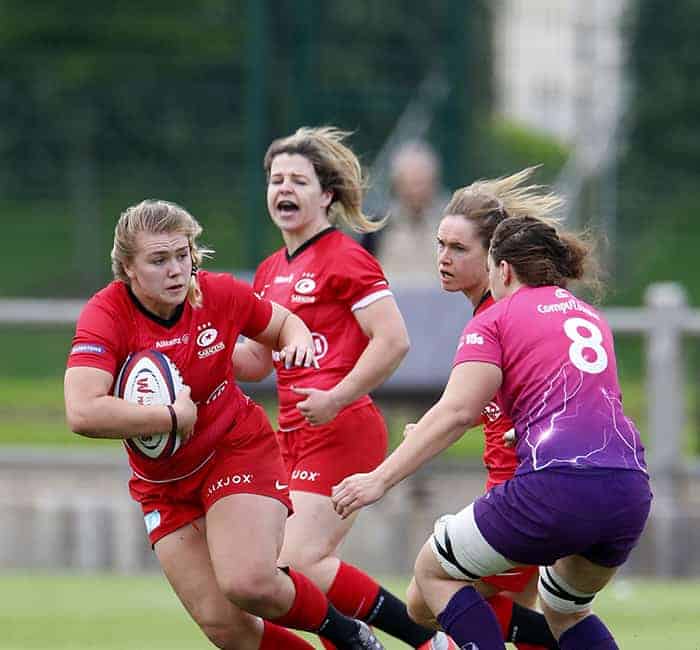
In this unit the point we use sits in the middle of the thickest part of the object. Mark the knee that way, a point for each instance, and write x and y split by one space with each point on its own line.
253 591
559 622
562 605
417 608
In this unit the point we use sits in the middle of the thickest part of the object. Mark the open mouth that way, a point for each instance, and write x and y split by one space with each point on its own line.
287 206
445 275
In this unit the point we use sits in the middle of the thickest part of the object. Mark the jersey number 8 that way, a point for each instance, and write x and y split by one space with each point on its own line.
590 340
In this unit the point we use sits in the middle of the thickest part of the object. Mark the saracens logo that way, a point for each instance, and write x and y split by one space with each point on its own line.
207 336
305 286
492 411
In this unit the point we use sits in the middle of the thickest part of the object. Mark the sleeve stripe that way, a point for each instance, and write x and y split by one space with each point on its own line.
372 297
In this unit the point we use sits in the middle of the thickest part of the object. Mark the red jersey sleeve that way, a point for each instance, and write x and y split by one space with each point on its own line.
252 313
357 278
480 341
97 342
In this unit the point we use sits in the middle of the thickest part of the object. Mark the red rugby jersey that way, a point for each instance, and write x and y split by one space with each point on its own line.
199 341
328 278
500 461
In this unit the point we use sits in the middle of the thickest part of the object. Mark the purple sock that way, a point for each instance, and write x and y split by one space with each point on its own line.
471 622
588 634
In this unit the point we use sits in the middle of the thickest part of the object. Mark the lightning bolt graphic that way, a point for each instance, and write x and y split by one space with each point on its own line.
558 389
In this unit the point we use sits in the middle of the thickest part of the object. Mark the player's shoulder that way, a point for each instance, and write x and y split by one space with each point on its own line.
219 285
341 249
112 298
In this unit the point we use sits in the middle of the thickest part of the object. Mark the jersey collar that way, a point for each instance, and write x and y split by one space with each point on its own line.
308 243
484 298
164 322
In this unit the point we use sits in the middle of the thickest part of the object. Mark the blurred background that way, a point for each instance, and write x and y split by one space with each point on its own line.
105 104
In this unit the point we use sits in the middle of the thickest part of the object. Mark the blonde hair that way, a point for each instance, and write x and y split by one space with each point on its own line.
156 216
337 168
487 202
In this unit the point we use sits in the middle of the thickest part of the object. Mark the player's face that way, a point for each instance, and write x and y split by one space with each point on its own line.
461 258
160 271
295 199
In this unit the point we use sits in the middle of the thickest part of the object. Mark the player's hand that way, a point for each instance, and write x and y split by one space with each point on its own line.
298 356
509 438
408 428
357 491
186 413
319 407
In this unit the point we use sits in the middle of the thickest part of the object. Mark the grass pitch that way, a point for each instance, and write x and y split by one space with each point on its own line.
106 612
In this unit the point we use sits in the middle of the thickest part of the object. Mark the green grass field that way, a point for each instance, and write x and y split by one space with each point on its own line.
105 612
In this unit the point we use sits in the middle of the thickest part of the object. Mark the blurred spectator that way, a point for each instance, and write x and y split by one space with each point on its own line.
418 199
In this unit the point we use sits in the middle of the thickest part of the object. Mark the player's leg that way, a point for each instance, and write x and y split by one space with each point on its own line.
512 595
244 535
567 590
446 569
320 458
417 608
184 558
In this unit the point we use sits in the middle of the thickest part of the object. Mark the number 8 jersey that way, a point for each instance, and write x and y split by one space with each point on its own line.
560 383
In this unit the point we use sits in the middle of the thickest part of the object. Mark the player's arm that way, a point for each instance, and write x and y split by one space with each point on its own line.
252 361
388 344
470 387
287 333
91 411
382 323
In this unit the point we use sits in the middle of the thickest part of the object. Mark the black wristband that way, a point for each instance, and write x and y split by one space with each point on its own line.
173 418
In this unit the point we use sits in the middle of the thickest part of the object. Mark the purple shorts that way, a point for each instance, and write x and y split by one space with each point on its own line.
539 517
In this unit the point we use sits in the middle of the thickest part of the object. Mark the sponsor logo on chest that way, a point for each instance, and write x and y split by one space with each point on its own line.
176 340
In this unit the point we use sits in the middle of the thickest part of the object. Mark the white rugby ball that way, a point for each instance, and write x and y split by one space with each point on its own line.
150 377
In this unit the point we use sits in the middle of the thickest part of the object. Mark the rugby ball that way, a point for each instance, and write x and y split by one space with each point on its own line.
150 377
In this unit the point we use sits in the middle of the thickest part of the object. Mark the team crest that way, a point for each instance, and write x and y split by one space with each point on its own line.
305 286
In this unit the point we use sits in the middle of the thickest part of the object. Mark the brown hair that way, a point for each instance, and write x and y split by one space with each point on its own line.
338 170
541 255
156 216
487 202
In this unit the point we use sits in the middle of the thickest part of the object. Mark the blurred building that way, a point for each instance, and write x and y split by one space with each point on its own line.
559 64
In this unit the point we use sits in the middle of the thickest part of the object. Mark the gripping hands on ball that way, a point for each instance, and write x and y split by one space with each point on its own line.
185 413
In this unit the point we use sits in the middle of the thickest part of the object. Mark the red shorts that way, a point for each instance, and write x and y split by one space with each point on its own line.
517 578
317 458
247 460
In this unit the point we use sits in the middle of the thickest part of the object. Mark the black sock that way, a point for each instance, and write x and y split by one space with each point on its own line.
529 626
389 615
337 627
